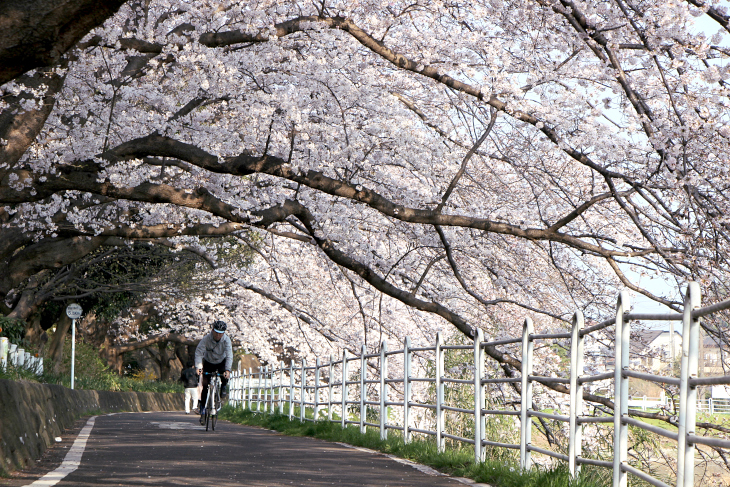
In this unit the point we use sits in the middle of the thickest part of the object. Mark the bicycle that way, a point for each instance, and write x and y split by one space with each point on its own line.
213 402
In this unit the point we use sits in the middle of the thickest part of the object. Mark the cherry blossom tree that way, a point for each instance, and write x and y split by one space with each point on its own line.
398 168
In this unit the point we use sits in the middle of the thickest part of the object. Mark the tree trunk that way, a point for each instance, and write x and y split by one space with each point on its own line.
113 354
55 351
164 360
185 353
35 335
113 357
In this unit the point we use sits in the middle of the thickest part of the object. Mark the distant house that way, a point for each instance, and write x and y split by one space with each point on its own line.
711 360
650 351
653 348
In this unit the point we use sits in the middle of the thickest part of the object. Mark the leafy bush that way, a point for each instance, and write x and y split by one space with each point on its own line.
13 329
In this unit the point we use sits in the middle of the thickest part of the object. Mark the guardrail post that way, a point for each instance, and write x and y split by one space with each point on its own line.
525 421
231 389
241 382
344 389
269 395
259 405
267 384
316 389
271 391
329 391
291 389
4 346
251 387
302 391
12 355
621 393
440 440
363 390
248 387
270 407
479 422
239 390
576 394
383 389
407 390
281 387
243 385
687 393
265 401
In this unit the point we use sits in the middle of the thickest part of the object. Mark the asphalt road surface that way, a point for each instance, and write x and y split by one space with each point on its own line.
172 449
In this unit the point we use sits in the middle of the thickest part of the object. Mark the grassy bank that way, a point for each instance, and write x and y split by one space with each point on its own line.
501 472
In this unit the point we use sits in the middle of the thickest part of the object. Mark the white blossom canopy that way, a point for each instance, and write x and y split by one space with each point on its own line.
398 167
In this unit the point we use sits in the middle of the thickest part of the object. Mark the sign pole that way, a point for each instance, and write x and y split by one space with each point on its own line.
73 350
73 311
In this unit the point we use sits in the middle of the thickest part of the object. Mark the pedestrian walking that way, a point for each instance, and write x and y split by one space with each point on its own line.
189 378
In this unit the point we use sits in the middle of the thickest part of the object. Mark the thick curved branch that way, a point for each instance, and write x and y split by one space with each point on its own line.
245 165
35 33
221 39
19 127
165 337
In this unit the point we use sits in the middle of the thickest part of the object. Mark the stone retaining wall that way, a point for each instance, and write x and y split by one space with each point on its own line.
32 415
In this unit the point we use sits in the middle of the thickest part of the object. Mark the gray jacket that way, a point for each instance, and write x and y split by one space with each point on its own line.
214 351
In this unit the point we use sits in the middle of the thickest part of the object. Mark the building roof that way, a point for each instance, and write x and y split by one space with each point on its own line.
641 340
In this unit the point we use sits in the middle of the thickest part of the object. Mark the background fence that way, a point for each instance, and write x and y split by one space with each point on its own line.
359 388
11 354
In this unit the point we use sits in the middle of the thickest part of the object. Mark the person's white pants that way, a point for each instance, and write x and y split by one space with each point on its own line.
191 396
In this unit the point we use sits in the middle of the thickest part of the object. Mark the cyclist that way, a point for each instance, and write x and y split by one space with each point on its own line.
214 354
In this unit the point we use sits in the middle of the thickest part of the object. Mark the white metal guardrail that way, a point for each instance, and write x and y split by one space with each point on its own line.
303 385
11 354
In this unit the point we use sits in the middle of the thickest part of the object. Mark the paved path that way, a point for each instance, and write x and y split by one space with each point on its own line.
171 449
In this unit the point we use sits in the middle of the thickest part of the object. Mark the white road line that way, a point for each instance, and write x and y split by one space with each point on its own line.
72 460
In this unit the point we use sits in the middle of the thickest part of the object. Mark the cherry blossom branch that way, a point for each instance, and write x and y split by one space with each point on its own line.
244 165
506 361
484 302
464 163
309 319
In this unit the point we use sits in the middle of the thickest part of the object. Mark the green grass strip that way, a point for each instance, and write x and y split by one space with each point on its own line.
500 472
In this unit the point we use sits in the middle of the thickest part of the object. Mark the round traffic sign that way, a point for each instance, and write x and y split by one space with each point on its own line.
74 311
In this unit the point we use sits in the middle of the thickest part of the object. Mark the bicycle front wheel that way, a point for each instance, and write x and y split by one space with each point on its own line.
216 406
207 418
